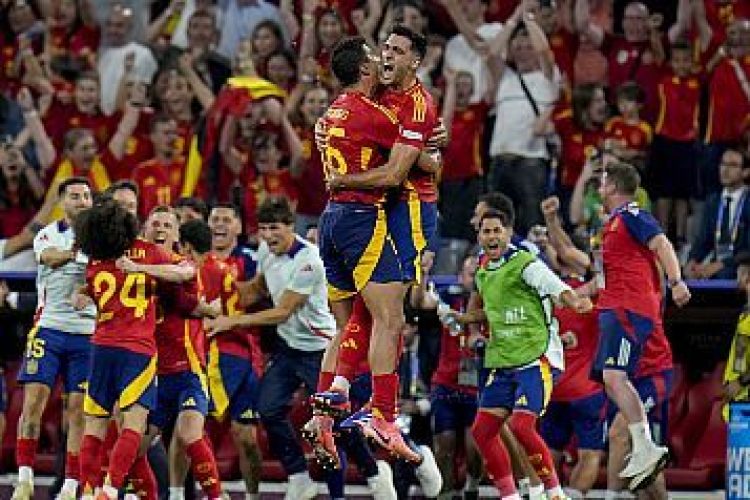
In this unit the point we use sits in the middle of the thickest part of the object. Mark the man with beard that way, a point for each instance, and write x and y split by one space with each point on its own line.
59 344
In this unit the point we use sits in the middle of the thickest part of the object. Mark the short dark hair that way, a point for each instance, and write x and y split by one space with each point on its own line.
88 75
158 119
496 214
162 209
624 177
106 230
198 234
275 209
193 203
418 41
72 181
497 201
738 149
681 44
348 55
230 206
123 184
630 91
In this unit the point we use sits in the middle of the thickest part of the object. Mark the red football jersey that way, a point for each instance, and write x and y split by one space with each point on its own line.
462 157
311 185
721 14
158 184
179 336
138 147
418 117
359 130
729 108
61 118
577 145
276 183
679 106
580 336
126 302
631 275
82 43
564 46
220 282
635 137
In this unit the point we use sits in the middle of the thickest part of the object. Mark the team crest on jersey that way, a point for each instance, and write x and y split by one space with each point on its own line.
337 113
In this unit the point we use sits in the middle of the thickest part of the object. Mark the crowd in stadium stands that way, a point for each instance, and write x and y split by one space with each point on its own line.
210 106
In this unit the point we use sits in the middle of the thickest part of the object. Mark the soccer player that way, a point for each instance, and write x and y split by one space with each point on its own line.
516 291
59 343
121 279
234 358
634 249
358 255
182 392
291 272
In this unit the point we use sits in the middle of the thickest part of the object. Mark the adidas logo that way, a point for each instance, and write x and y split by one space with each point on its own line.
610 362
248 414
522 401
189 403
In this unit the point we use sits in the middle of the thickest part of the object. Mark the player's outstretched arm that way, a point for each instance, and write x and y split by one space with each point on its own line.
173 273
392 174
664 251
288 303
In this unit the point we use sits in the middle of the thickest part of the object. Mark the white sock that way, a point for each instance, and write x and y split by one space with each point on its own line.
300 477
25 473
523 485
472 483
252 496
536 492
514 496
611 495
373 481
70 485
110 491
341 384
557 491
640 436
573 493
176 492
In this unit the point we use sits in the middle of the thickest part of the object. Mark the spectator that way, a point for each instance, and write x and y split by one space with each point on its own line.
22 39
729 102
267 38
581 131
557 23
737 370
80 159
526 92
634 55
311 102
725 228
179 32
319 36
118 46
73 38
21 190
190 208
60 115
281 69
629 136
240 19
673 169
162 179
462 176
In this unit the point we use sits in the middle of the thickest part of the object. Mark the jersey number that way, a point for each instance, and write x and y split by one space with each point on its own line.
233 299
132 293
333 160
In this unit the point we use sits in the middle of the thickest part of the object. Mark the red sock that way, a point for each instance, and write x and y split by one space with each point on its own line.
91 462
355 341
25 452
486 432
203 465
110 438
385 395
523 426
72 466
143 479
325 379
123 456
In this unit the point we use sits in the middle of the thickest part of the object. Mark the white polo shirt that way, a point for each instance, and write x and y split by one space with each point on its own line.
56 286
311 327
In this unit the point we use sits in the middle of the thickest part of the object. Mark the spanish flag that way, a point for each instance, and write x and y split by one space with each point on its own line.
232 100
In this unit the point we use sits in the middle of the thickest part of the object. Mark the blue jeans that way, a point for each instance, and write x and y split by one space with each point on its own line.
286 370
